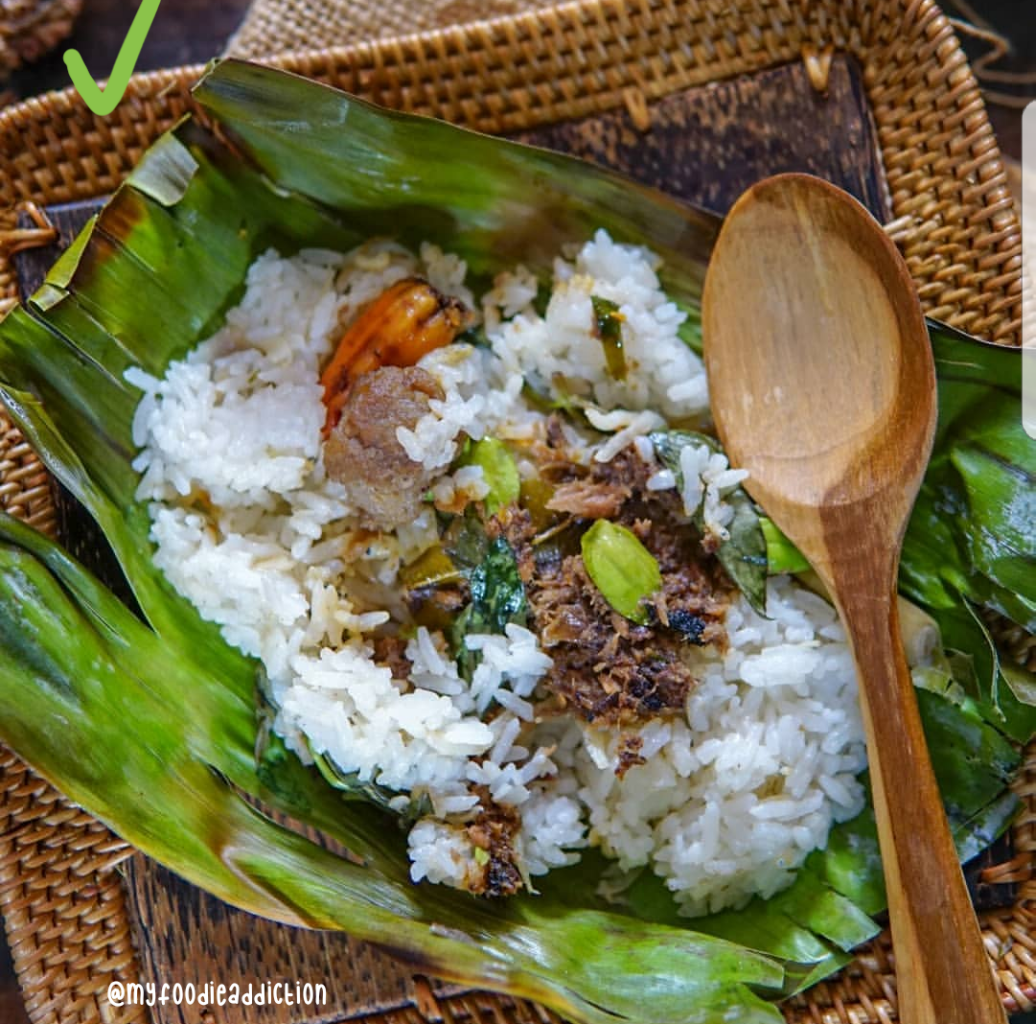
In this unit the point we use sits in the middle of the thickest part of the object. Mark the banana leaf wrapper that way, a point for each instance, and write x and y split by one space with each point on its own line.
151 725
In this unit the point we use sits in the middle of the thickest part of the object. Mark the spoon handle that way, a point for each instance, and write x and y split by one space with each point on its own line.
942 971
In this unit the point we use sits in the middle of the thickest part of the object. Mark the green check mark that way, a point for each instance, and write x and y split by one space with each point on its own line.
104 102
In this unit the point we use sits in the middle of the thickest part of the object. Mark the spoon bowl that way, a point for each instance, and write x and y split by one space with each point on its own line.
823 388
829 335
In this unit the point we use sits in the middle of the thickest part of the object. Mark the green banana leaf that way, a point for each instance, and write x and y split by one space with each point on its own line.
109 707
119 713
971 541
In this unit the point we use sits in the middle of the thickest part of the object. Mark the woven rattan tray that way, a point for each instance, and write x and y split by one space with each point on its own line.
63 905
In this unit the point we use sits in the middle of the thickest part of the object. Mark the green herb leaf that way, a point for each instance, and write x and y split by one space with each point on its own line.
556 396
353 788
276 769
689 332
499 470
623 570
608 323
497 592
464 540
744 554
475 336
971 540
497 598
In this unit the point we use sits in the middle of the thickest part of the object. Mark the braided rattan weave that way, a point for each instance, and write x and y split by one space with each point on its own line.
954 219
31 28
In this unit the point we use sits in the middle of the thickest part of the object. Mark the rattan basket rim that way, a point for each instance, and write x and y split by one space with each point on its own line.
586 56
937 219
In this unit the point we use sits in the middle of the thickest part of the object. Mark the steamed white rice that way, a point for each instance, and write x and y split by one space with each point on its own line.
734 793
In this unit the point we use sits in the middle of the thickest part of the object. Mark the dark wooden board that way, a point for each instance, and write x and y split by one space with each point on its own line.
705 145
12 1009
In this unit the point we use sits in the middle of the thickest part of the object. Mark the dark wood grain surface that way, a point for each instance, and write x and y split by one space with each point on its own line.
707 145
12 1009
189 31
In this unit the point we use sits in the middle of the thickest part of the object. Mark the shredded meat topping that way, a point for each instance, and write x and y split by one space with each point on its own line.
362 450
606 668
390 651
589 499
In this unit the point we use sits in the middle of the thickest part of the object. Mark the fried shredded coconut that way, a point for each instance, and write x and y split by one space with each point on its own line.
629 754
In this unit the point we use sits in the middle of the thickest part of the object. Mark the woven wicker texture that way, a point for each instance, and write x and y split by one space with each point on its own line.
284 26
62 903
954 220
31 28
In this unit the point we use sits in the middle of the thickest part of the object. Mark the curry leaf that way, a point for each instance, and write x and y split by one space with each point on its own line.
497 593
355 788
464 540
497 598
744 553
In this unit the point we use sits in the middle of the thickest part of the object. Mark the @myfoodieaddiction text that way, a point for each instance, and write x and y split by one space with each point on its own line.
210 993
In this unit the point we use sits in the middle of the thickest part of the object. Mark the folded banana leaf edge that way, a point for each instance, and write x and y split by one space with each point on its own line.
151 725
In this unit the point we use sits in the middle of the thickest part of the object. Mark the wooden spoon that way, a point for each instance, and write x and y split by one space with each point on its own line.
823 388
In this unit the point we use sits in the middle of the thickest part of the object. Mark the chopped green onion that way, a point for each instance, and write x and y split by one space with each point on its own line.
623 570
608 323
431 568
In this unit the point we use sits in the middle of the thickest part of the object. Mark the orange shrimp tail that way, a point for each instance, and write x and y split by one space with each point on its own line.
407 321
